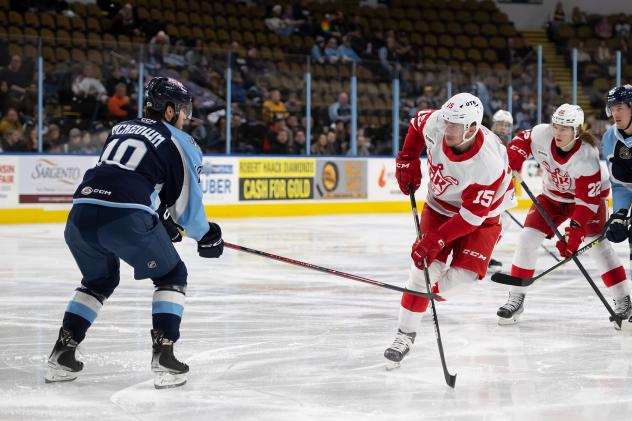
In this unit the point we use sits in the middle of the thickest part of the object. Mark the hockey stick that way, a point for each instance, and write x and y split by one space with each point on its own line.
551 225
450 379
557 259
330 271
505 278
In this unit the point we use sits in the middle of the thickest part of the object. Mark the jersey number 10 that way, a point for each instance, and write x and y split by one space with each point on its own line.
126 154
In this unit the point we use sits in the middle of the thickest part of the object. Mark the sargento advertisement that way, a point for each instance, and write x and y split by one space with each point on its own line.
276 179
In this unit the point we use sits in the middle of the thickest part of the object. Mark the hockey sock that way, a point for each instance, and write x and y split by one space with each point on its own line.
167 309
81 312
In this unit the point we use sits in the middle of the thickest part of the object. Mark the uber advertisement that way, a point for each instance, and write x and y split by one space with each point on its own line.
218 179
341 179
276 179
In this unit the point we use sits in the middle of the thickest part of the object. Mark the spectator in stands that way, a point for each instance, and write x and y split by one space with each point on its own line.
14 79
322 146
325 26
270 138
52 140
582 54
124 22
293 23
276 22
298 145
364 144
578 17
332 141
254 62
388 57
340 110
279 144
332 54
86 86
116 77
293 105
559 15
603 29
318 50
195 56
292 124
622 27
302 12
13 141
88 143
74 144
603 56
174 57
119 105
345 51
155 50
274 107
10 121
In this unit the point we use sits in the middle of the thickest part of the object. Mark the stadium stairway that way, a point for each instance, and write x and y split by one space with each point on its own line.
561 72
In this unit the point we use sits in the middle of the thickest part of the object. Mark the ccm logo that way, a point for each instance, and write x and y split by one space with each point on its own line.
402 165
474 254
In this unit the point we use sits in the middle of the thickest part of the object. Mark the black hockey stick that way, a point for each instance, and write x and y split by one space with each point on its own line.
330 271
505 278
450 379
581 268
522 226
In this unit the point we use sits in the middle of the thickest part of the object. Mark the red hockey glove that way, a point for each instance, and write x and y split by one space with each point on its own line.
574 237
407 171
427 248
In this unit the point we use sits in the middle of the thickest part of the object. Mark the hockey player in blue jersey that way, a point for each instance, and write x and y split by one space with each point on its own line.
617 150
148 172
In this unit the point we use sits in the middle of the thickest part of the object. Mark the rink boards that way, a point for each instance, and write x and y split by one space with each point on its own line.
38 188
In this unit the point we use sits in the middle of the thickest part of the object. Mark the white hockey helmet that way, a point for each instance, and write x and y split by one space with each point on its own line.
463 108
568 115
502 116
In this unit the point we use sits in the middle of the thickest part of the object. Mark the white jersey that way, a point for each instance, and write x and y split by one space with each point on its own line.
476 184
574 177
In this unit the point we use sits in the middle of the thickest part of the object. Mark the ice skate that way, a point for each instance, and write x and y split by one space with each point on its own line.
168 371
398 349
623 309
62 364
510 312
494 266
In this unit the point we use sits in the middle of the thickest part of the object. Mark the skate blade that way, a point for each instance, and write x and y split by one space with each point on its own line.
392 365
56 375
169 380
493 269
626 326
510 321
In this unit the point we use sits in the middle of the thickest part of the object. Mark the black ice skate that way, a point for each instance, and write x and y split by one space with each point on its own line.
510 312
169 372
399 348
623 309
62 365
494 266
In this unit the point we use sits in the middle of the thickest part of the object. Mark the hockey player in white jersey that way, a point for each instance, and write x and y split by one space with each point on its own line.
502 126
469 187
575 187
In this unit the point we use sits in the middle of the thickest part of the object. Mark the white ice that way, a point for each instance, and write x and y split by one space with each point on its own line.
270 341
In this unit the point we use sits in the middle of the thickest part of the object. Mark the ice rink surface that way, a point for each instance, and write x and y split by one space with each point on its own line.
270 341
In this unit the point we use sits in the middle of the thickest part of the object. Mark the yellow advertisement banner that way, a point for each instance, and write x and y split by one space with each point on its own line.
276 168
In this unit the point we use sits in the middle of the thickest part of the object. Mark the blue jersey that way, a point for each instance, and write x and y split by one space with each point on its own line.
617 150
145 163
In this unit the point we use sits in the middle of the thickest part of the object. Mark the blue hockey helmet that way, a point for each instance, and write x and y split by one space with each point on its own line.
163 91
619 95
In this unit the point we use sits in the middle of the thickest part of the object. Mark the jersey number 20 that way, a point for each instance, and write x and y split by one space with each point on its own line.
126 154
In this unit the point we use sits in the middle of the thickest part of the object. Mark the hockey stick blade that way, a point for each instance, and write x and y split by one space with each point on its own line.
506 279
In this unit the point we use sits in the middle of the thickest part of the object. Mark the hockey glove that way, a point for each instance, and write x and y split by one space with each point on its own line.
427 248
574 237
618 229
211 245
174 230
407 171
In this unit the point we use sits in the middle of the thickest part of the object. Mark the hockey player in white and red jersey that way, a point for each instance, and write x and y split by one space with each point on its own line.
575 187
469 186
